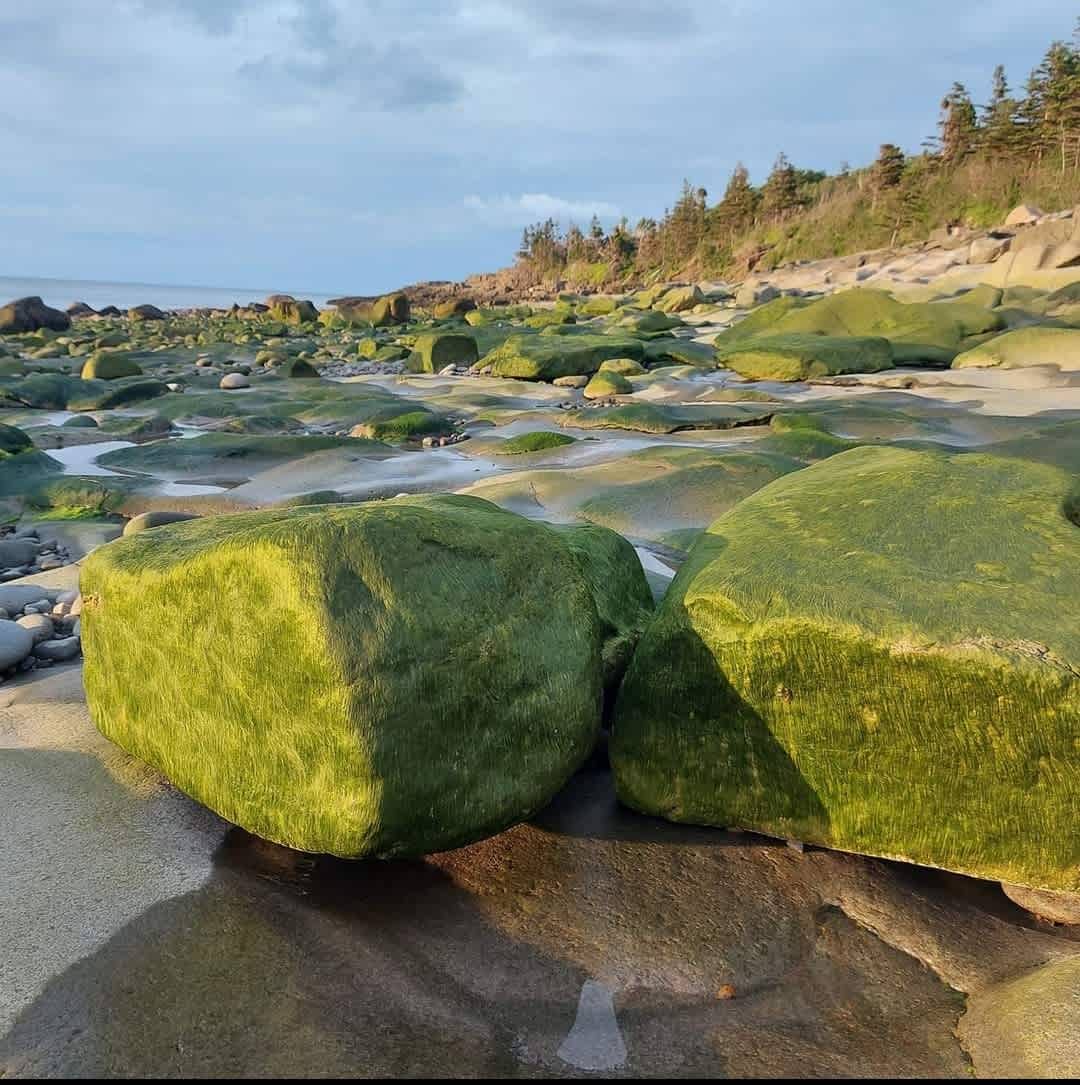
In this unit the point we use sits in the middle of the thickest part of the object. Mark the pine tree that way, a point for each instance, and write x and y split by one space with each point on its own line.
958 126
577 248
888 170
780 196
1000 135
596 231
735 212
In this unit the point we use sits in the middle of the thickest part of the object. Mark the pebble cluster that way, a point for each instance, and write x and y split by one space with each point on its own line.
24 552
38 627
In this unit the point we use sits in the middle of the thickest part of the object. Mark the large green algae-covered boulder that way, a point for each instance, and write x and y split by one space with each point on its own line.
437 350
919 332
396 677
109 365
1025 347
878 654
796 357
543 358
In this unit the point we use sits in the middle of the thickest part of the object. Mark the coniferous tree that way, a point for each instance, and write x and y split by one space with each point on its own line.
887 171
735 212
958 126
780 196
1000 136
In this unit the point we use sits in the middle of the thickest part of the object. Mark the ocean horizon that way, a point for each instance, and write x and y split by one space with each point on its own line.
60 293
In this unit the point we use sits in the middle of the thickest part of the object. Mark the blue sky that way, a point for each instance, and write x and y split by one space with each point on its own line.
357 145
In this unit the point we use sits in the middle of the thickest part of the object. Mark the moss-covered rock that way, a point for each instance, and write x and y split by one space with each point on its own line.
452 307
535 357
290 311
665 418
1025 347
617 581
102 395
667 351
403 424
600 305
872 654
107 365
436 666
435 350
625 367
795 357
298 369
644 325
920 332
538 441
679 299
551 318
391 309
13 441
607 383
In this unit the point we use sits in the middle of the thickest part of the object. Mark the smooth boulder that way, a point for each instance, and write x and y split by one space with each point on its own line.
873 654
1023 347
16 644
398 677
799 357
544 358
30 315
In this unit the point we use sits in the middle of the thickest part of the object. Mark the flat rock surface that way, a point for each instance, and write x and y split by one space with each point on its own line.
152 939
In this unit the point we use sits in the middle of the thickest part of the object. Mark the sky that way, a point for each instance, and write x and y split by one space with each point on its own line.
359 145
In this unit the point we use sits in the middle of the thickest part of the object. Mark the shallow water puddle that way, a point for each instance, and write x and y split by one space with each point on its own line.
82 460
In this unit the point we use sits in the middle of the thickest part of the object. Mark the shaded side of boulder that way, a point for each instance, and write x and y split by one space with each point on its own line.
391 309
439 349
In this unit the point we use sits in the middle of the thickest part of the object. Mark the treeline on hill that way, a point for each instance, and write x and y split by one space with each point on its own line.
983 161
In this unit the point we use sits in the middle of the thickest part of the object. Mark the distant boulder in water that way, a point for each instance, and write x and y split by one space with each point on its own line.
31 314
80 309
146 312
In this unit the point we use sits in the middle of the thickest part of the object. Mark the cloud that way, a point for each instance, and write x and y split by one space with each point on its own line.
325 52
532 206
214 16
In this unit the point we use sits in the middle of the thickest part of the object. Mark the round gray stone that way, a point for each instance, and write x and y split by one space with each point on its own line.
15 644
